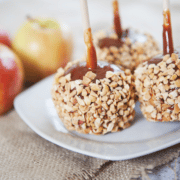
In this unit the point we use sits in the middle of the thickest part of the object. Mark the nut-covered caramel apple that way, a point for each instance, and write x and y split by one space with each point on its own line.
94 101
158 80
94 97
125 47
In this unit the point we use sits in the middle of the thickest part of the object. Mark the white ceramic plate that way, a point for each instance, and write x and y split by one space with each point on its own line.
36 109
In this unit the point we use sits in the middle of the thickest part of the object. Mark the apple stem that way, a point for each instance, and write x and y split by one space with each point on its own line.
168 47
91 58
29 18
117 20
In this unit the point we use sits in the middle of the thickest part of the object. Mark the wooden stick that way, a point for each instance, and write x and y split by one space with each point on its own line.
117 21
168 47
85 14
91 58
166 4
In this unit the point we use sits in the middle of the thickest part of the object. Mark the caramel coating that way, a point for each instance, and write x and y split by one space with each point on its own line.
135 48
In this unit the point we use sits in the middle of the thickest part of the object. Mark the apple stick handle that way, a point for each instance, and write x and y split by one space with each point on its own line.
117 21
168 47
85 14
165 4
91 58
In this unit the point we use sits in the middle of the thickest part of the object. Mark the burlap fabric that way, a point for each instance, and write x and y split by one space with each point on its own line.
24 155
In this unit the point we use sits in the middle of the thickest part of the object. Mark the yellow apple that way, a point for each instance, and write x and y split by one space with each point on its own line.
42 47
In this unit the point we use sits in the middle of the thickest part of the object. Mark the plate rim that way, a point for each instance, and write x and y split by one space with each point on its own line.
75 149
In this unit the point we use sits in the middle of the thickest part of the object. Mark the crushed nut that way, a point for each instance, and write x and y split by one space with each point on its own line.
95 108
159 90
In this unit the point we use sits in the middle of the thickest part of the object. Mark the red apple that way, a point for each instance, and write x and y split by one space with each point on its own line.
4 38
11 78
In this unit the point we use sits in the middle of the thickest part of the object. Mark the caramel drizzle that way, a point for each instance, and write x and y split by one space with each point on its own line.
117 21
91 58
168 47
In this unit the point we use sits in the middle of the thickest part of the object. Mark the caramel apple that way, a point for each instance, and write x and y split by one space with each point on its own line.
125 47
158 80
94 97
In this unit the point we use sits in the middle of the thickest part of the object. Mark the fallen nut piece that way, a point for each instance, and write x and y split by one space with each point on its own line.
91 104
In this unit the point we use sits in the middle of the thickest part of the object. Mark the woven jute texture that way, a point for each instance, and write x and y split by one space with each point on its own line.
24 155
